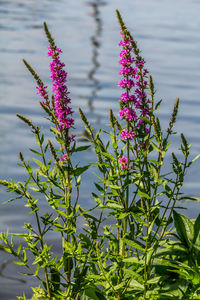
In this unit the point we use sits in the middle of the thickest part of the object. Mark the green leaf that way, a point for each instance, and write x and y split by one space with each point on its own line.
186 198
115 187
121 285
37 270
196 229
135 244
115 145
20 263
36 152
114 206
79 171
144 195
154 280
46 147
195 158
155 146
97 199
83 148
158 104
94 293
39 163
149 255
155 162
134 274
167 146
184 228
154 173
60 212
184 141
60 140
54 130
99 187
107 155
134 260
35 189
7 249
114 193
37 140
135 284
168 190
152 223
19 248
145 120
123 215
42 139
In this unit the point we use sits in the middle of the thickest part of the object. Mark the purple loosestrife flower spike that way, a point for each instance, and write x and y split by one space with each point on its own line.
42 92
135 103
127 134
128 114
61 94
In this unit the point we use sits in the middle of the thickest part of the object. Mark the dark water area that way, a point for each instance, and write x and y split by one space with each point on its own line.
88 33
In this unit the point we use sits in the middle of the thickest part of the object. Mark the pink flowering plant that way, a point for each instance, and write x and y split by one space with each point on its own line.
136 245
54 180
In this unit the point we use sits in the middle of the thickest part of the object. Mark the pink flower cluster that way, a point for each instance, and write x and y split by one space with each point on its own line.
61 94
124 83
123 161
42 91
61 98
127 134
135 99
135 104
128 114
126 97
63 157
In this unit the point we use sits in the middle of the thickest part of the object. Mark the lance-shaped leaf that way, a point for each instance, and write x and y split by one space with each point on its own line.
184 228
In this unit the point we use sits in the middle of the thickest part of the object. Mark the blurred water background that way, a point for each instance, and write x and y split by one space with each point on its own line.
88 33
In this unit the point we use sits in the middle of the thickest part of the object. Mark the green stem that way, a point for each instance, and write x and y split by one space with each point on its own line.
47 173
102 270
30 200
167 207
26 265
42 246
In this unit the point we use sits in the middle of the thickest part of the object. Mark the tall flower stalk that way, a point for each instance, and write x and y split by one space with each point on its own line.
134 104
60 109
60 99
64 175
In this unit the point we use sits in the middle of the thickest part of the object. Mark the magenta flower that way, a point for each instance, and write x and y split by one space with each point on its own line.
61 95
63 157
51 51
61 98
127 71
125 43
145 112
140 63
128 114
134 83
140 122
42 91
126 61
123 161
123 52
127 134
126 97
126 84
